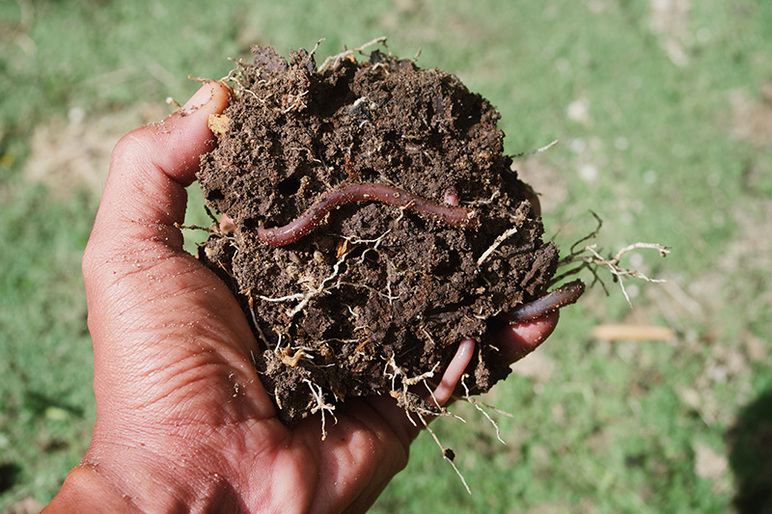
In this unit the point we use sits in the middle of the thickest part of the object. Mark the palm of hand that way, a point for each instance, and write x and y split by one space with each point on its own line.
188 339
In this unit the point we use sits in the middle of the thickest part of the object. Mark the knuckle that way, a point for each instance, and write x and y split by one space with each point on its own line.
133 145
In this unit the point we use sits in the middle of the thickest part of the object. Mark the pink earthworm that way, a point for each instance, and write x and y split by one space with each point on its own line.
560 297
368 191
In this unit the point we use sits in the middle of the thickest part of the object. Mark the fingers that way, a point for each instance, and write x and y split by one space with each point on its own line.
454 371
514 343
517 341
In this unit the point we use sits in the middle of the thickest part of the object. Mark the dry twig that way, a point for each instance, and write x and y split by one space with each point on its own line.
333 60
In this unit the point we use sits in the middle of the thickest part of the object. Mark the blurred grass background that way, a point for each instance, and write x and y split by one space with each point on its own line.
663 109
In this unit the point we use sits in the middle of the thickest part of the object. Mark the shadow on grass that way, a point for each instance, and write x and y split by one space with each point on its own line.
41 404
9 474
750 456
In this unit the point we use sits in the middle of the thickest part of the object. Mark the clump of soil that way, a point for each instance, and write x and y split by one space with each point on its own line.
376 294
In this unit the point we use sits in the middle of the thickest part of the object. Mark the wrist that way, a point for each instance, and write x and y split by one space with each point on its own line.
86 490
136 481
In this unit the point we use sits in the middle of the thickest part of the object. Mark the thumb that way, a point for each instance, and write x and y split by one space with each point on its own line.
150 304
144 197
151 166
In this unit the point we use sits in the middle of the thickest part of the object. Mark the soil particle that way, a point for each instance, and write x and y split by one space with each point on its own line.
374 294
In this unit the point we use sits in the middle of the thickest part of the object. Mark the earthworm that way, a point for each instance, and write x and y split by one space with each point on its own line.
368 191
560 297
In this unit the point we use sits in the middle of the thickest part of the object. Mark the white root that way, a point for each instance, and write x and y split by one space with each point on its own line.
478 405
492 248
620 272
321 406
445 452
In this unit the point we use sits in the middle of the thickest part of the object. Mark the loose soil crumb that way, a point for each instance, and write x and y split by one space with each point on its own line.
376 295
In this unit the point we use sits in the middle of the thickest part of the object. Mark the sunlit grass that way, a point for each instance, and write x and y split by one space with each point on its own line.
648 143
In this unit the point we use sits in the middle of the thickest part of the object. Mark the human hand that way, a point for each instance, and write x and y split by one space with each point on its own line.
183 422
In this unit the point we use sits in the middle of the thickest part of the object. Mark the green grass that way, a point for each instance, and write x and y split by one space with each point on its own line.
617 427
46 404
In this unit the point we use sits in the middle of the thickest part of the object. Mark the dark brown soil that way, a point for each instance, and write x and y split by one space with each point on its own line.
376 294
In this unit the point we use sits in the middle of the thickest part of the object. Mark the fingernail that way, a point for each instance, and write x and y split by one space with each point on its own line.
199 99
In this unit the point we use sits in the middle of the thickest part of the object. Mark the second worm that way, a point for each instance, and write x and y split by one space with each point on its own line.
552 301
